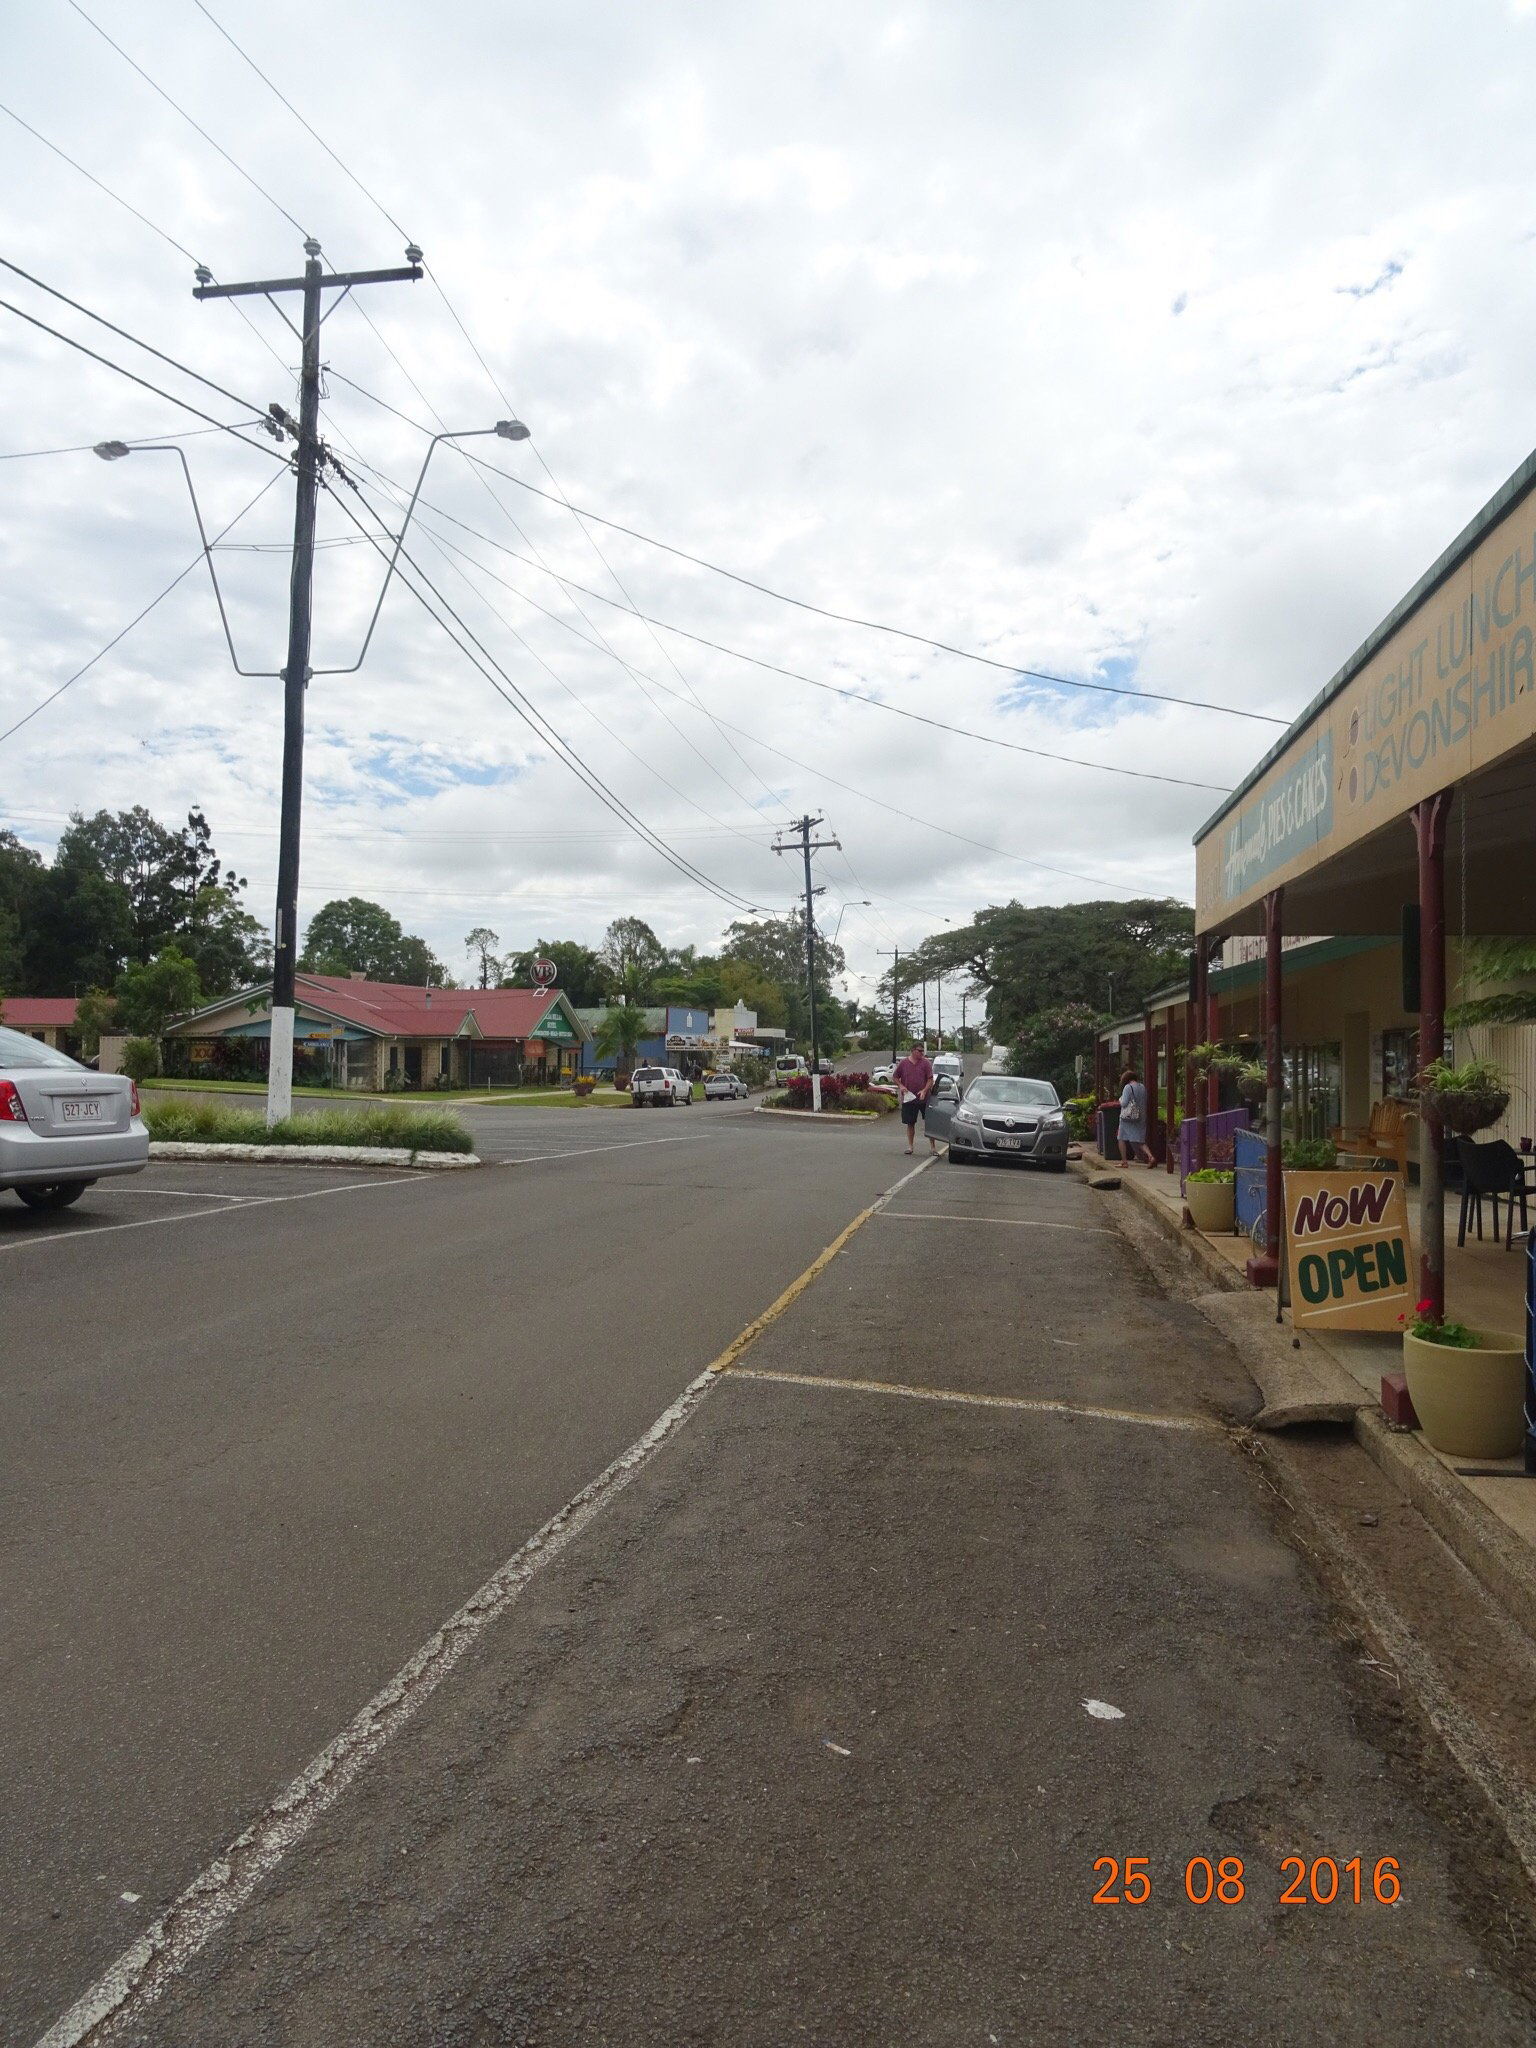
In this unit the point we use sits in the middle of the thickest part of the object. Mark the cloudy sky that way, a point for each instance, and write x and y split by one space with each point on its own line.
1159 344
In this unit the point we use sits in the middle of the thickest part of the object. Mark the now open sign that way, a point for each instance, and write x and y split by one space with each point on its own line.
1347 1242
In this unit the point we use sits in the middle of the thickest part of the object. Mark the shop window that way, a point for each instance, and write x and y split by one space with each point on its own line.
1399 1063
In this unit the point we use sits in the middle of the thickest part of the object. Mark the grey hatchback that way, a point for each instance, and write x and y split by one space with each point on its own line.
61 1126
1005 1117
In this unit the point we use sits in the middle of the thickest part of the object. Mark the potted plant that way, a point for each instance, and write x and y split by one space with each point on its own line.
1252 1083
1467 1098
582 1086
1209 1195
1467 1386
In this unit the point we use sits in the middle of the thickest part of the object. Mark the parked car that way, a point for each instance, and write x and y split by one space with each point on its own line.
1002 1117
61 1126
995 1063
883 1077
949 1063
787 1065
658 1087
826 1066
724 1088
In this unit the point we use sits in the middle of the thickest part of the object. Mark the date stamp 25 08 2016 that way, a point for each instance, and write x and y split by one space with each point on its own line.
1127 1881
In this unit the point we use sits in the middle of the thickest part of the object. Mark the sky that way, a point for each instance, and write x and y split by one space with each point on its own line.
1161 345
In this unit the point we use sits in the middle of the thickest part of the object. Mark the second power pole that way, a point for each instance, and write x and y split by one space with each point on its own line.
800 841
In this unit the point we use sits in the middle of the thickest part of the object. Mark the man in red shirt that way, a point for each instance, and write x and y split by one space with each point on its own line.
914 1078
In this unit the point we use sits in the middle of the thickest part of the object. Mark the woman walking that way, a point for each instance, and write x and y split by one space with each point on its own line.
1133 1119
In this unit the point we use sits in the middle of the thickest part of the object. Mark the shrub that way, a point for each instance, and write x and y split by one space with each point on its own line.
834 1087
413 1130
1213 1176
141 1058
1309 1155
868 1099
1079 1110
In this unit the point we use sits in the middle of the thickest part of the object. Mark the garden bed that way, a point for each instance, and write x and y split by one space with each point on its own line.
383 1129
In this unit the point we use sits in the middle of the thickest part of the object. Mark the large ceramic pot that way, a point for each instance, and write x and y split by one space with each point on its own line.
1210 1204
1470 1404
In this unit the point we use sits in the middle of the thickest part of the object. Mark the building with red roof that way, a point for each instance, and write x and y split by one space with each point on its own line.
50 1018
375 1035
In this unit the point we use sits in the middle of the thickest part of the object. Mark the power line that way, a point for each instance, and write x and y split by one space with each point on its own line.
154 228
834 689
102 651
133 378
253 182
528 711
879 626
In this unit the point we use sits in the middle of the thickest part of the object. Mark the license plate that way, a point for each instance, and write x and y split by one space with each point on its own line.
85 1109
1010 1144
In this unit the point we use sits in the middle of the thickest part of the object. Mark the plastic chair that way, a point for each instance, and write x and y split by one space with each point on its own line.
1498 1171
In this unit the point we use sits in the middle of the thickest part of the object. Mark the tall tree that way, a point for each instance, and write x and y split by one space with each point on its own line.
151 992
353 935
20 871
480 944
632 954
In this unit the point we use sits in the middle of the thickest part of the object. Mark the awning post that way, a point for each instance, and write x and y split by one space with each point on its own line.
1429 822
1264 1267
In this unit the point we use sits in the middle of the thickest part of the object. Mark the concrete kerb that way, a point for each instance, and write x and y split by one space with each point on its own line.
1502 1563
822 1116
319 1155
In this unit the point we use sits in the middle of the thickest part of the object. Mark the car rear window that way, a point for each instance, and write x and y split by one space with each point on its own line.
17 1050
650 1074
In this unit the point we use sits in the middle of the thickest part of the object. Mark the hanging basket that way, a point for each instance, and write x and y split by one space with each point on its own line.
1465 1099
1252 1085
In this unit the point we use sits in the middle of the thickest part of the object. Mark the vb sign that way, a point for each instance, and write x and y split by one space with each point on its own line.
1347 1239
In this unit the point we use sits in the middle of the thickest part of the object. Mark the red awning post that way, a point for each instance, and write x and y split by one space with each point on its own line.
1200 1091
1149 1069
1264 1267
1173 1088
1429 822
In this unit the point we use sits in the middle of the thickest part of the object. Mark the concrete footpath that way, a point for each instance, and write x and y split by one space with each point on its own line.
957 1592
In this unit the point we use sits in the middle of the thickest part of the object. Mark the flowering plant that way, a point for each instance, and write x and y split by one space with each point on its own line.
1432 1329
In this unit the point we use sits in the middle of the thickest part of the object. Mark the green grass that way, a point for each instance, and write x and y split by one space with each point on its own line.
240 1088
414 1130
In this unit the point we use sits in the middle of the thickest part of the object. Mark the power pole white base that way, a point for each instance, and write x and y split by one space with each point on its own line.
816 1093
280 1068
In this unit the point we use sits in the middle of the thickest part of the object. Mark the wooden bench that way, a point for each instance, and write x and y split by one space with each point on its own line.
1384 1137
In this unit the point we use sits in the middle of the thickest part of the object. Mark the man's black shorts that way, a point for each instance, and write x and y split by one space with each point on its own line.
911 1110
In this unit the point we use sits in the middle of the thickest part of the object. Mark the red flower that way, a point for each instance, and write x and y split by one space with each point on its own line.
1425 1306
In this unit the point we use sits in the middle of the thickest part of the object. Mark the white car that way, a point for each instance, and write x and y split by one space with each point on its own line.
788 1065
61 1126
725 1087
883 1077
949 1063
657 1087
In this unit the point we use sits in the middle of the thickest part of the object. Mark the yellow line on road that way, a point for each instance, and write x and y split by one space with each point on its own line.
819 1264
1197 1424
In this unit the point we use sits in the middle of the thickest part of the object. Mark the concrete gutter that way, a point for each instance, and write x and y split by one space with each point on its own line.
823 1116
319 1155
1300 1384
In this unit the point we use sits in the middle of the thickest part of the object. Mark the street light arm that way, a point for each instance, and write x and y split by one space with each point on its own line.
141 448
503 428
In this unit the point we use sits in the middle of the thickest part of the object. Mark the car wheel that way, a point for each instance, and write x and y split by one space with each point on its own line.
58 1195
1057 1165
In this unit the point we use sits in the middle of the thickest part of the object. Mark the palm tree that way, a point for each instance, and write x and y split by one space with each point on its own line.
619 1033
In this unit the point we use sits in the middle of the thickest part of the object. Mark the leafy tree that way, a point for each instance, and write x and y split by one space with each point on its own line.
1050 1041
775 948
95 1012
20 868
481 944
632 954
80 929
141 1058
741 982
619 1032
352 935
580 975
150 993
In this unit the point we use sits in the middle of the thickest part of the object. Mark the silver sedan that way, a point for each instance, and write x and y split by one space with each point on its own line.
1002 1117
61 1126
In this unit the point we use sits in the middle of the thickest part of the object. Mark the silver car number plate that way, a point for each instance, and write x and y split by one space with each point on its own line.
84 1109
1010 1144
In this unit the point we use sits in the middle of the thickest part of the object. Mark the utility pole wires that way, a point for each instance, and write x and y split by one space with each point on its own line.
800 841
296 673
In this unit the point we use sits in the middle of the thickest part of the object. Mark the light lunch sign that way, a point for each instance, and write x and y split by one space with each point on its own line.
1349 1256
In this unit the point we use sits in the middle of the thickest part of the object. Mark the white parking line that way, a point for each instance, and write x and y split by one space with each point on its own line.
27 1244
587 1151
1012 1222
177 1194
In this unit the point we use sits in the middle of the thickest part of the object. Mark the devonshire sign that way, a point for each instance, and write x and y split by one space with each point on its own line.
1347 1243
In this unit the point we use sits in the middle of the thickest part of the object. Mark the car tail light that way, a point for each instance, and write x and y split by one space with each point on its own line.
133 1098
11 1110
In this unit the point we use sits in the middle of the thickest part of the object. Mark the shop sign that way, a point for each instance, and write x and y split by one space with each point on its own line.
1348 1250
1296 813
554 1029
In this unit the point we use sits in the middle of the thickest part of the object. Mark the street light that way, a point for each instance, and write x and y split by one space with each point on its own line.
504 430
853 903
114 451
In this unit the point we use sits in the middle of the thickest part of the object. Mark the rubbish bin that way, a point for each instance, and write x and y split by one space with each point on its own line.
1107 1129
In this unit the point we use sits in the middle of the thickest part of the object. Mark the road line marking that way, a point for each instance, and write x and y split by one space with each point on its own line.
796 1288
588 1151
144 1969
1190 1424
178 1194
26 1244
1013 1222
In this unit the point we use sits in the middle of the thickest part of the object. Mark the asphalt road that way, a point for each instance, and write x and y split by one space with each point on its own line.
955 1587
267 1426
